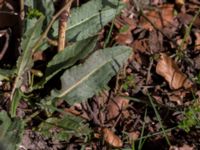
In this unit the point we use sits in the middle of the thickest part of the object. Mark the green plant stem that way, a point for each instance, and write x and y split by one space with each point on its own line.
142 132
22 14
158 117
32 116
157 133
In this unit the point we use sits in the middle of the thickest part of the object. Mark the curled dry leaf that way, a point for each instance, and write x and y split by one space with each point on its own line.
111 138
167 68
115 106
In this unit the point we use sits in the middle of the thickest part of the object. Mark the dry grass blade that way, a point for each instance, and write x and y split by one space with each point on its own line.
63 25
167 68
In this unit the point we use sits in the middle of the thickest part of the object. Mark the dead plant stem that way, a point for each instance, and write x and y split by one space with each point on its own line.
63 26
44 35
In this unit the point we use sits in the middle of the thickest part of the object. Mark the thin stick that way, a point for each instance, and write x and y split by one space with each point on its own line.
22 14
63 26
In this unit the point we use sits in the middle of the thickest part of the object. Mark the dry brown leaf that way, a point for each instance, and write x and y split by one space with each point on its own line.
197 41
184 147
180 2
111 138
115 106
133 136
160 18
124 38
38 56
167 68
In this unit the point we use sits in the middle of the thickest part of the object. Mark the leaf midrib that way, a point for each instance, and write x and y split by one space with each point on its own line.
85 20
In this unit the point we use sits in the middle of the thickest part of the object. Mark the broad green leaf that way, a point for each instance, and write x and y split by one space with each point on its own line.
25 61
88 19
11 132
68 126
69 56
83 81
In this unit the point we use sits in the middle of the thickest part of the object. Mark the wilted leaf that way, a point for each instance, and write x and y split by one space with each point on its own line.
83 81
111 138
115 106
167 68
88 19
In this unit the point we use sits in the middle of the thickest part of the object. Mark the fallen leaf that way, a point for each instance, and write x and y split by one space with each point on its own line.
180 2
161 17
125 26
184 147
124 38
133 136
111 138
38 56
115 106
197 41
167 68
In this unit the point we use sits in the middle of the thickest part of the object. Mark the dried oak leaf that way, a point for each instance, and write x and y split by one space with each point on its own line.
161 17
167 68
115 106
111 138
126 25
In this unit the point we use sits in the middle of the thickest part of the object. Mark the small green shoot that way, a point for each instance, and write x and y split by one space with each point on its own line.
191 117
129 82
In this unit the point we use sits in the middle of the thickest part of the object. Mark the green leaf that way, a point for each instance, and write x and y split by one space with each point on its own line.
15 102
83 81
46 7
11 132
29 39
25 61
5 74
70 55
68 126
88 19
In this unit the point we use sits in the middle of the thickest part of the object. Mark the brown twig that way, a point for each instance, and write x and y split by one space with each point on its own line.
7 37
44 35
63 26
22 13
